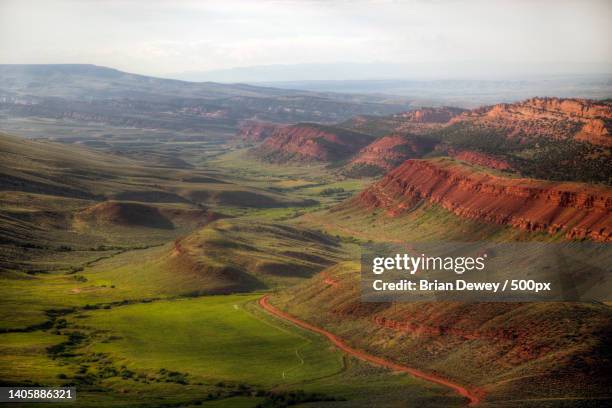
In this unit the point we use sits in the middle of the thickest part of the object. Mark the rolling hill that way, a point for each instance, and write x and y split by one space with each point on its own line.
310 142
238 256
58 202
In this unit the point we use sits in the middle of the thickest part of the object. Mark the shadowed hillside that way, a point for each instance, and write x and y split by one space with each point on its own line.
253 255
64 203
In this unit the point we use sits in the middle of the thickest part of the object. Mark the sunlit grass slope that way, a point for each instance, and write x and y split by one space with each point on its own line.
228 255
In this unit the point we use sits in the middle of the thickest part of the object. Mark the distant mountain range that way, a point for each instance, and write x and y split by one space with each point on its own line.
106 95
466 85
465 93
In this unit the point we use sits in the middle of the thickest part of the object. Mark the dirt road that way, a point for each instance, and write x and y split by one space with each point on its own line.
473 397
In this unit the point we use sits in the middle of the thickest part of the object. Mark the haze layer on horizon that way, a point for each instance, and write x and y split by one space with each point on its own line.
377 38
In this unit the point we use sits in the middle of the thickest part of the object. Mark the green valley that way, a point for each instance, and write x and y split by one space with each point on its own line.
141 229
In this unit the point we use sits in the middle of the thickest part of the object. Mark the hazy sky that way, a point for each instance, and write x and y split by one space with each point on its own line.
160 37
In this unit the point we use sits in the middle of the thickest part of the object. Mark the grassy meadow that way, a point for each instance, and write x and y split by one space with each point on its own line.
211 350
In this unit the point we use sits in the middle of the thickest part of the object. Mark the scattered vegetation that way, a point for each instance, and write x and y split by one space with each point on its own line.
542 158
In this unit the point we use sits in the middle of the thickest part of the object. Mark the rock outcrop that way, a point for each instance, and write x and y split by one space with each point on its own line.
390 151
555 118
252 131
311 142
573 209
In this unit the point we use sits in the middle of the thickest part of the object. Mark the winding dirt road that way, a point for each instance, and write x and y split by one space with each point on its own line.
474 397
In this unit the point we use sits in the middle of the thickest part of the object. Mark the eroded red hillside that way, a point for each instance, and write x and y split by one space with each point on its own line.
389 151
253 131
573 209
580 119
311 142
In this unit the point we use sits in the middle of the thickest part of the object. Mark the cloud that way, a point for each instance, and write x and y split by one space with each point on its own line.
157 37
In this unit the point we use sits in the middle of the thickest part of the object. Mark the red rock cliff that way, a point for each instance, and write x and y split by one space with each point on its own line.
577 210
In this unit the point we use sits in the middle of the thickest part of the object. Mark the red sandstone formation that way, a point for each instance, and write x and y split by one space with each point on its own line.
256 131
481 159
312 142
580 119
390 151
575 209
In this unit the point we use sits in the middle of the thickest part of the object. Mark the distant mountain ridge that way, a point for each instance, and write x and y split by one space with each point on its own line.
465 93
70 90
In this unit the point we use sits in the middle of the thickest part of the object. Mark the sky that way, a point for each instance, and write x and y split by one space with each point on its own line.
473 37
